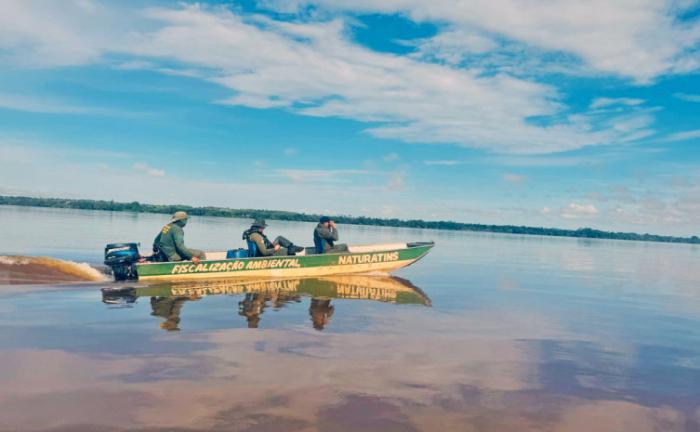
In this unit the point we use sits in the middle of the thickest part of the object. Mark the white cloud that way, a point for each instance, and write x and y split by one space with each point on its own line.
49 105
391 157
688 97
314 69
579 211
670 207
605 102
135 65
301 175
45 33
38 105
640 39
454 46
397 180
442 162
683 136
514 178
146 169
50 170
491 54
290 151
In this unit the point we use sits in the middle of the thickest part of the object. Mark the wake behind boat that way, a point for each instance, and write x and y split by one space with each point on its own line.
127 264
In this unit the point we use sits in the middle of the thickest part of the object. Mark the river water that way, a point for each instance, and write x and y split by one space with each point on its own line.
487 333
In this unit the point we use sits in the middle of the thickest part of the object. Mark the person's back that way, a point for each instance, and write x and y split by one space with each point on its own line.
169 244
166 240
326 236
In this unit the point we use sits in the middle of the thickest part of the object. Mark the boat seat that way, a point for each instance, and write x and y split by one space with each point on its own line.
252 248
215 255
375 247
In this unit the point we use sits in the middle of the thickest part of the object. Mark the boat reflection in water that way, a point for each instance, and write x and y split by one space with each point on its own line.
167 300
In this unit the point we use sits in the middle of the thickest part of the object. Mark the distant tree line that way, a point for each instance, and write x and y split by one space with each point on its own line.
137 207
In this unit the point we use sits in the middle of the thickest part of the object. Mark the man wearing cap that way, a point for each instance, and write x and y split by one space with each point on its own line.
325 236
169 244
264 247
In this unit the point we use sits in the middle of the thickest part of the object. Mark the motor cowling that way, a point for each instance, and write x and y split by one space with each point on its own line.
122 259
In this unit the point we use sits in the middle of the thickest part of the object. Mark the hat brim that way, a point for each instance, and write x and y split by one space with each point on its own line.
175 219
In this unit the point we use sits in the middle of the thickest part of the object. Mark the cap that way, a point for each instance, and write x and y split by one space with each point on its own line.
180 215
260 223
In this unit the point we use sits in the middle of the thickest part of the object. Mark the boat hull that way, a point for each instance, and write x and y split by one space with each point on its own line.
384 261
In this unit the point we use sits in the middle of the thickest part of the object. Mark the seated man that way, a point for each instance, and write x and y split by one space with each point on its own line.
325 236
169 244
263 246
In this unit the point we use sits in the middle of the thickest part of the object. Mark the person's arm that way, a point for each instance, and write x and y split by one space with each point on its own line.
260 244
327 233
179 238
334 232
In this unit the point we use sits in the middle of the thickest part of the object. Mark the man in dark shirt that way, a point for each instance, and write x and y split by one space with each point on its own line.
325 236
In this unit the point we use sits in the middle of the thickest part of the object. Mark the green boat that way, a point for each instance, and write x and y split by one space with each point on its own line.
362 259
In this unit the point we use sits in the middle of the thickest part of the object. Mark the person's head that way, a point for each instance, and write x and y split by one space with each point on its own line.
259 224
180 218
325 220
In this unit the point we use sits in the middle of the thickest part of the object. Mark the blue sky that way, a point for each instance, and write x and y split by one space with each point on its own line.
547 113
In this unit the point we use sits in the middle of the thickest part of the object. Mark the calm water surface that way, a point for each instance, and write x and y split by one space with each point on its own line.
487 333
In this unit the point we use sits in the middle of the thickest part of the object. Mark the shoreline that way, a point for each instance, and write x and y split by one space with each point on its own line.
112 206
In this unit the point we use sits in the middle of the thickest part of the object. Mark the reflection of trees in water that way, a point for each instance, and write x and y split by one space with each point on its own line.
254 304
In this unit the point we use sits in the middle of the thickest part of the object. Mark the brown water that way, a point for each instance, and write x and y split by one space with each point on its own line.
487 333
22 270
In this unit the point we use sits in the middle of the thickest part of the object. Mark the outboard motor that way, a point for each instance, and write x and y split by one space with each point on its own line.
122 258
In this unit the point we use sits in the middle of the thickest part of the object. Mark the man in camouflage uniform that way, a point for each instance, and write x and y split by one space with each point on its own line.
327 234
280 247
169 244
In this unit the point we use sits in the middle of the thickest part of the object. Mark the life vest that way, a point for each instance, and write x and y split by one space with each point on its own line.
251 245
